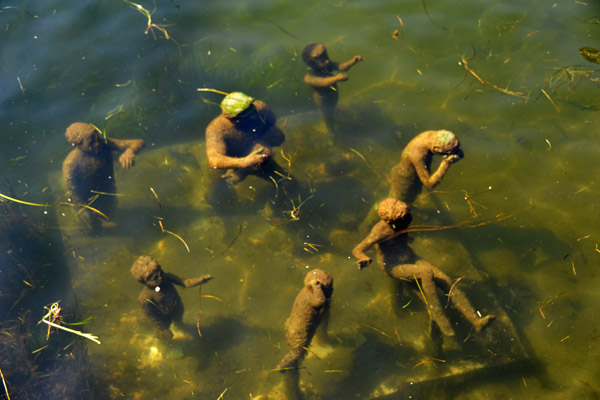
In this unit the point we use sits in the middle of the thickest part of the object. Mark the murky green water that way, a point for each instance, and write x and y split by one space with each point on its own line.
528 132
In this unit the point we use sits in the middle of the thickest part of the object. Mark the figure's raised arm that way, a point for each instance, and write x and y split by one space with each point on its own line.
428 179
349 64
377 235
129 147
187 283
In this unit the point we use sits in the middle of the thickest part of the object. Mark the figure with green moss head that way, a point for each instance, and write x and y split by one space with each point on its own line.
240 140
323 79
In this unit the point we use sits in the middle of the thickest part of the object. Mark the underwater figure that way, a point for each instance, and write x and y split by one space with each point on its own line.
398 260
89 166
240 139
308 308
323 79
159 298
413 170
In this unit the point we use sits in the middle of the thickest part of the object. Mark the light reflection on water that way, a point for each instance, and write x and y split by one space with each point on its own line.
87 60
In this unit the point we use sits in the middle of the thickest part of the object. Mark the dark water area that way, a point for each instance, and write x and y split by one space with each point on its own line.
506 77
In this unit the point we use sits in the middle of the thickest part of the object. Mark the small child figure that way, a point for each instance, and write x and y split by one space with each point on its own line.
323 80
309 306
89 166
159 298
398 260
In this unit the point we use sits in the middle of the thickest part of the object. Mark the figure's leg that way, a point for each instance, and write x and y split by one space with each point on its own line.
327 104
219 193
460 300
423 273
286 189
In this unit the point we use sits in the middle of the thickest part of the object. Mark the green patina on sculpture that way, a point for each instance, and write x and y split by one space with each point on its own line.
236 104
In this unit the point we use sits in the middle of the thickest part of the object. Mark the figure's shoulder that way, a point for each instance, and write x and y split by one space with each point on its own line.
261 106
218 125
72 158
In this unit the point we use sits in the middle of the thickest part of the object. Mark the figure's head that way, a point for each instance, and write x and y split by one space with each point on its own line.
446 143
84 136
391 210
147 271
237 105
318 277
315 56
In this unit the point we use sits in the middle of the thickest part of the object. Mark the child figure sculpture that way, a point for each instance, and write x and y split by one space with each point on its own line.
309 306
323 79
159 298
398 260
89 167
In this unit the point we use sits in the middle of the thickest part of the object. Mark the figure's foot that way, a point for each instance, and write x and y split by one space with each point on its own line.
481 323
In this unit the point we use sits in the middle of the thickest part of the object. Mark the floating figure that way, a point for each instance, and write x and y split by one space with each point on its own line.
159 298
413 170
397 259
309 306
89 167
321 76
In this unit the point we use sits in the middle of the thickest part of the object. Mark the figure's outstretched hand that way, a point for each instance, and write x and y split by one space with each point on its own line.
364 263
357 59
127 159
341 77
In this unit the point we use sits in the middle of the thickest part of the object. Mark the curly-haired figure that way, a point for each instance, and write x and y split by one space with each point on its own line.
159 298
89 167
398 260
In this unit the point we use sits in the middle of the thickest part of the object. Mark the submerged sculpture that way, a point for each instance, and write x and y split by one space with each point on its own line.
308 308
413 170
398 260
240 139
159 298
89 168
323 79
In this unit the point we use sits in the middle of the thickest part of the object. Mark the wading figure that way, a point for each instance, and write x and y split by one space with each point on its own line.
413 170
309 306
398 260
323 79
89 166
159 298
240 139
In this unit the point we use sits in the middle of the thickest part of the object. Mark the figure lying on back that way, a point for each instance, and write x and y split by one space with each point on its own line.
398 260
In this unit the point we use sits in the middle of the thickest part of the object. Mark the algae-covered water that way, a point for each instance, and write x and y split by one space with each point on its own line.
507 77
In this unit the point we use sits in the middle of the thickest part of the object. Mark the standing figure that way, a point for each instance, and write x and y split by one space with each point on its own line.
89 168
413 170
159 298
240 139
309 306
323 79
398 260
